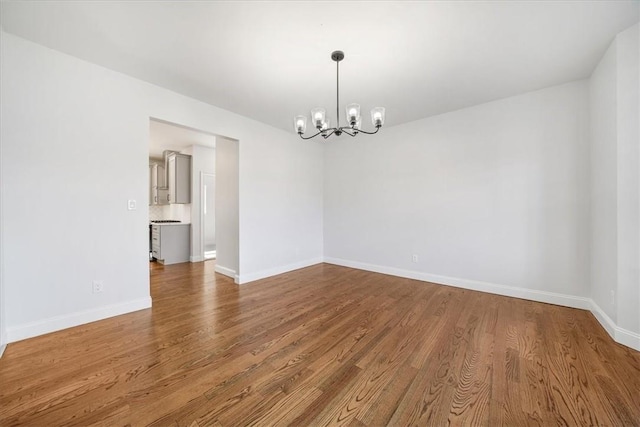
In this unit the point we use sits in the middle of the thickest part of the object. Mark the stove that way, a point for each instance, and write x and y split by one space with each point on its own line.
164 221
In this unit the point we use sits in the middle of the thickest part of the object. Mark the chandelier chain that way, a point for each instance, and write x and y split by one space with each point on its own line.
338 93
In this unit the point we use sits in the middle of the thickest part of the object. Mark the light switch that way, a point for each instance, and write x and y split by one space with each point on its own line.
131 205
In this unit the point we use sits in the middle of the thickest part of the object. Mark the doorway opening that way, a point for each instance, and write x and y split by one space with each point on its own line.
211 208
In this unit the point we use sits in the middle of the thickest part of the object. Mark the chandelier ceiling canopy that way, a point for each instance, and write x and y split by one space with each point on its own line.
321 122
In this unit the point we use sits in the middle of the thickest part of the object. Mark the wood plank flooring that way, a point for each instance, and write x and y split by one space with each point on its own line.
325 345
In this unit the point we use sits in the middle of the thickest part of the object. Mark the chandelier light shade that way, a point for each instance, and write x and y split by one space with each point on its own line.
353 113
300 123
377 116
322 123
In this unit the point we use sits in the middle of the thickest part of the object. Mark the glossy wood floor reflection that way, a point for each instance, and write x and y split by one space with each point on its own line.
325 345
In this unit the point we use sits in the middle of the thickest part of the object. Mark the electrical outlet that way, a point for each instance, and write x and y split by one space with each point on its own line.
131 205
613 297
97 286
414 258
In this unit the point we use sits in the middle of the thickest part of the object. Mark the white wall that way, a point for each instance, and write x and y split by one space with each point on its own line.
615 201
492 197
603 208
75 139
73 154
226 208
3 322
281 208
628 180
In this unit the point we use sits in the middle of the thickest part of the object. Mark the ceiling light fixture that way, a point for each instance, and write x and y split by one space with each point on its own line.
321 122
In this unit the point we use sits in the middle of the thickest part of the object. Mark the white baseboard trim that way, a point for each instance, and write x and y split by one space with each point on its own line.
619 335
3 347
246 278
57 323
628 338
474 285
196 258
225 271
602 318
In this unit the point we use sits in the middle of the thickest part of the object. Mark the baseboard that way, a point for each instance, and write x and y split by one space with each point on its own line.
225 271
474 285
602 318
619 335
628 338
196 259
57 323
251 277
3 347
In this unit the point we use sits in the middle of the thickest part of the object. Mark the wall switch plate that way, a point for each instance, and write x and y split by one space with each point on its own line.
98 286
414 258
131 205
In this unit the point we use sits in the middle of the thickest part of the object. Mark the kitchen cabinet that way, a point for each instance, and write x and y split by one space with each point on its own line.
171 243
157 176
179 178
151 191
157 185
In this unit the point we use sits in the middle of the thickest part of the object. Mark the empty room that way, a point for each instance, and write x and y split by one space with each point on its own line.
362 213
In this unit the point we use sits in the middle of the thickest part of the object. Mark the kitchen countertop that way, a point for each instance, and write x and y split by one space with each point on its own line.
170 223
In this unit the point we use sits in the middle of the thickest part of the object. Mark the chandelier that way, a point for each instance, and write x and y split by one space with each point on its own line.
322 123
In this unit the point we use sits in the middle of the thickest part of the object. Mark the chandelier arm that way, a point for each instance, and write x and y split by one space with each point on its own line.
333 130
370 133
309 137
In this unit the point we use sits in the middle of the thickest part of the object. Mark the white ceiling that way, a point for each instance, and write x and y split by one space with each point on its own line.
271 60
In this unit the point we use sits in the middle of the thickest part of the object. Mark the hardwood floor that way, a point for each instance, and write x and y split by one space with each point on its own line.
325 345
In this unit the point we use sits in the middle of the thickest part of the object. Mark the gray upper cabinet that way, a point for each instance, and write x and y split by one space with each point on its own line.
179 178
151 192
156 185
